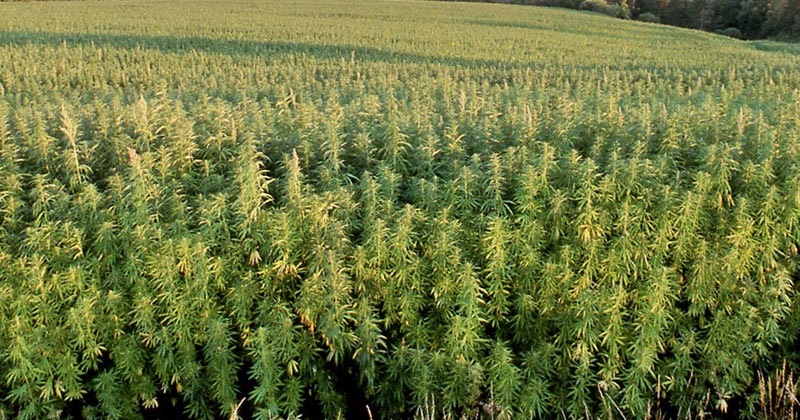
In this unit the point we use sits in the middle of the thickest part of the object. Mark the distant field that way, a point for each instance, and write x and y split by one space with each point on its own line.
310 207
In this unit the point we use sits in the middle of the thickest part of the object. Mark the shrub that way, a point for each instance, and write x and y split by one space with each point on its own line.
731 32
619 11
649 17
600 6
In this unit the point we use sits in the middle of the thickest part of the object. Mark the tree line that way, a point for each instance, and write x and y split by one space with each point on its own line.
747 19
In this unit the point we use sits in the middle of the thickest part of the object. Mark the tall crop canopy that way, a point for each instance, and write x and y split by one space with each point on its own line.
275 208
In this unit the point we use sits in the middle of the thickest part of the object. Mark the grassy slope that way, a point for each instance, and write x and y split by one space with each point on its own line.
546 42
502 33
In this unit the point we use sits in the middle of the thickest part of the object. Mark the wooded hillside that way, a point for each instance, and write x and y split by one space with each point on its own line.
748 19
